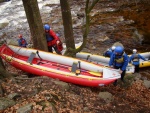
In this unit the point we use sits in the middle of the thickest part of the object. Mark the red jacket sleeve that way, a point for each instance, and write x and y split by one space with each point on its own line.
53 42
53 34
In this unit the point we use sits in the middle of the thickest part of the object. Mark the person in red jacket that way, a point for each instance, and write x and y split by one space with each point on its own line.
53 40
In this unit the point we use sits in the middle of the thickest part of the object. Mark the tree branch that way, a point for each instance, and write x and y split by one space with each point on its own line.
92 6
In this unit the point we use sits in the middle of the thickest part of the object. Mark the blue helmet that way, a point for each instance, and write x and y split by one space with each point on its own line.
119 50
47 27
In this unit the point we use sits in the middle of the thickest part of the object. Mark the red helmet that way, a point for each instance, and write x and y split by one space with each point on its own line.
20 35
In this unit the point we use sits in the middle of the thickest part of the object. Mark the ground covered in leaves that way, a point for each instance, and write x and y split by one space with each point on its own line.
46 96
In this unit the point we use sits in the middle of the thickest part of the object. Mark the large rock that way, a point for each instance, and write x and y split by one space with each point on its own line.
137 37
64 85
25 109
146 83
14 96
5 103
3 23
106 96
118 44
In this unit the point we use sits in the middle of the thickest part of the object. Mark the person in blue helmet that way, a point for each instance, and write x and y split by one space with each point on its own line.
53 40
134 58
119 60
22 41
109 51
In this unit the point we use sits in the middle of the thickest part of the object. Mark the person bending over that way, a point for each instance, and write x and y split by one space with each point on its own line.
119 60
53 40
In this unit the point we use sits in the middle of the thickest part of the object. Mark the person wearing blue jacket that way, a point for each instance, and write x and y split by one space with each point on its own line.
21 41
135 59
119 60
109 51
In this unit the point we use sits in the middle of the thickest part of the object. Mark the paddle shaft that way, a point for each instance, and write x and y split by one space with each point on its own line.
37 52
69 68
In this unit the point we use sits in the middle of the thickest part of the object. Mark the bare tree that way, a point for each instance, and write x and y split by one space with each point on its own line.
68 30
88 8
35 24
67 22
3 72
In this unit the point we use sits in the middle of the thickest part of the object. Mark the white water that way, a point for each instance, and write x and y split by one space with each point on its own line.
13 14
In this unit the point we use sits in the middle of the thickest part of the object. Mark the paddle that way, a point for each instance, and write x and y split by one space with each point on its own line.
78 71
37 52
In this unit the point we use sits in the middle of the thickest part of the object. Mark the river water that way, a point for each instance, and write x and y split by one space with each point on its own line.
12 14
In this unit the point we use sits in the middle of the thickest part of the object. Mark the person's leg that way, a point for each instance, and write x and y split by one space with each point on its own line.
136 68
56 49
122 75
115 82
50 49
122 78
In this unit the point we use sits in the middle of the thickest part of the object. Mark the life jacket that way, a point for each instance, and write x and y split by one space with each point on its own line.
135 58
23 41
120 58
50 40
49 37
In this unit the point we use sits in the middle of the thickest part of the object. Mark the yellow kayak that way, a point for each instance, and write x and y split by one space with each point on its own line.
105 60
145 64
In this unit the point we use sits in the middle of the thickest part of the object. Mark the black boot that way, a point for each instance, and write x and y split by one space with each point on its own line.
115 83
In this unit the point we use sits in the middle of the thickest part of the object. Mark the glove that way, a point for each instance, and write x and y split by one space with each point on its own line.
120 71
57 42
111 66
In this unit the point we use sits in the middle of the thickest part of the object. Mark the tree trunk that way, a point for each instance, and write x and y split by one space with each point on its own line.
3 72
89 6
35 24
68 30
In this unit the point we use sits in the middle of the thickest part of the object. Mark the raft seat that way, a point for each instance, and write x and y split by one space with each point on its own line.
74 68
31 57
